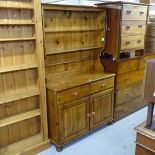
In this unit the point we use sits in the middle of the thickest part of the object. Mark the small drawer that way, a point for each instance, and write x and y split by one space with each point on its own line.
127 66
134 12
133 27
132 42
101 85
72 94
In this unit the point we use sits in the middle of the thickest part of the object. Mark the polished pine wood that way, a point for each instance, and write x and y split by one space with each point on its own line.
80 94
22 79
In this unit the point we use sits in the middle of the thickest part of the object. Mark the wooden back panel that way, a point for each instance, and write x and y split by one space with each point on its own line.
22 77
73 37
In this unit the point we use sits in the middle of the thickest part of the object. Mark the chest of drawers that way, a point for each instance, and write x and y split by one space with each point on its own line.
126 25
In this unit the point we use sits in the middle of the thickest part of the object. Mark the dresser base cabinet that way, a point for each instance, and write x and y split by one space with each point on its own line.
70 118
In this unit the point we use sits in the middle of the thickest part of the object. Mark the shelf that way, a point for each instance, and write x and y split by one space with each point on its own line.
19 96
16 39
17 23
70 61
20 117
9 6
72 50
32 145
17 68
70 30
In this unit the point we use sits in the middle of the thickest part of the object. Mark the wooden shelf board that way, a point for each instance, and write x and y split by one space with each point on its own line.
17 68
20 117
32 145
19 96
2 6
70 30
72 50
17 23
16 39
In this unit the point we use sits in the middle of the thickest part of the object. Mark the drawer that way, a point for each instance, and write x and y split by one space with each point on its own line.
133 27
72 94
132 42
143 60
127 66
129 93
101 85
134 12
127 79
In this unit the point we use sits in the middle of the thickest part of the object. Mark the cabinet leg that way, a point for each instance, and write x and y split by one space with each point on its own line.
150 115
59 148
111 122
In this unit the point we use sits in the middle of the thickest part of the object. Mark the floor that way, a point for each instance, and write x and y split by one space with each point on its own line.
116 139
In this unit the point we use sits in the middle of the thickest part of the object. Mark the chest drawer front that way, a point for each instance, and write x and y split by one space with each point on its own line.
101 85
128 79
134 12
132 42
72 94
133 27
127 66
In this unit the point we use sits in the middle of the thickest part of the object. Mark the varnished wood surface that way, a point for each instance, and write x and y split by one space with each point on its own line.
63 81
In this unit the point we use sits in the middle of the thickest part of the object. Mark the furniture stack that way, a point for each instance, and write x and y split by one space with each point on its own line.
80 94
124 53
23 120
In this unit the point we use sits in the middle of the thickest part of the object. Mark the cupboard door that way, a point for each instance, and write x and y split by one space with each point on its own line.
73 119
101 107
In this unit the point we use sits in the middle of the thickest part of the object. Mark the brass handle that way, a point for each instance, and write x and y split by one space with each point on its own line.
141 13
93 113
127 27
103 85
128 12
75 94
140 26
127 42
139 41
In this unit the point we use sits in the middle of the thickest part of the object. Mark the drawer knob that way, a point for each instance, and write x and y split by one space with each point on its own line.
127 27
140 26
127 42
103 85
139 41
93 113
141 13
75 94
128 12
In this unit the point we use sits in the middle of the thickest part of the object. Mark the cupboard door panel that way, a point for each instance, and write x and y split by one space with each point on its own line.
73 119
101 108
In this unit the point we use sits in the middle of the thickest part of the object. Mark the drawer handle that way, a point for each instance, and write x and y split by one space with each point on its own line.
127 42
128 12
103 85
140 26
75 94
139 41
127 27
141 13
93 113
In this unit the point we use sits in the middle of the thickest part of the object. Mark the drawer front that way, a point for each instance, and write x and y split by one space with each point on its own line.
129 93
127 66
72 94
133 27
132 42
134 12
143 60
127 79
101 85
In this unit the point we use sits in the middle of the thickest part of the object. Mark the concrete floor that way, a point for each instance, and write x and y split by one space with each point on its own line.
116 139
